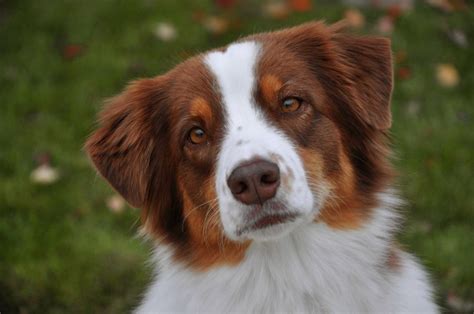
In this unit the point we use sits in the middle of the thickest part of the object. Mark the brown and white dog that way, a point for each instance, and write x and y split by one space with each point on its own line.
262 172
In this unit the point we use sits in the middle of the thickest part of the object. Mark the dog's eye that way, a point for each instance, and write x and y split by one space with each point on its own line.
290 104
197 136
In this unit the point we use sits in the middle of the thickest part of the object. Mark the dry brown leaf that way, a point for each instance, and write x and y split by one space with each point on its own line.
448 5
276 10
447 75
443 5
198 16
403 4
354 18
116 203
225 4
300 5
216 25
385 25
404 73
401 56
395 11
72 51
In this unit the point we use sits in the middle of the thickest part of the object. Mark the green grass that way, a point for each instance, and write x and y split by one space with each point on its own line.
63 250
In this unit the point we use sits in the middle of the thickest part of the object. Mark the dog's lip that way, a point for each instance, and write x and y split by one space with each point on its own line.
272 219
268 220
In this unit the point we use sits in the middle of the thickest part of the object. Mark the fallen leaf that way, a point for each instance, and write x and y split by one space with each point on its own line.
198 16
443 5
385 25
216 25
300 5
276 10
458 37
116 203
458 304
395 11
413 107
447 75
404 73
448 6
225 3
72 51
403 4
430 162
165 31
44 174
401 56
354 18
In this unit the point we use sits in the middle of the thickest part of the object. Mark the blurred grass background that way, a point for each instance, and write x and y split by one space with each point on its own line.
65 249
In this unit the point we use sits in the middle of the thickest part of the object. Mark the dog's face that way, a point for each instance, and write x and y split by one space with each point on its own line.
248 142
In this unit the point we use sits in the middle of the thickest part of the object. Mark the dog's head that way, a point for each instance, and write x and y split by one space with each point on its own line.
248 142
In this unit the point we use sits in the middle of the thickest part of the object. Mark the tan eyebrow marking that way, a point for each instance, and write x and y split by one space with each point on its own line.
201 108
270 84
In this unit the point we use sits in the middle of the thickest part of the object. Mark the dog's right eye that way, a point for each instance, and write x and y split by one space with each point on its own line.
290 104
197 136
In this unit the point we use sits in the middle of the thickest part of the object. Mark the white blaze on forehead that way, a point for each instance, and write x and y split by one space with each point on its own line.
234 71
246 129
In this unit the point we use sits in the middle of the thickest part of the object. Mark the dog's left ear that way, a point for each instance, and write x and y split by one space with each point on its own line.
356 71
368 63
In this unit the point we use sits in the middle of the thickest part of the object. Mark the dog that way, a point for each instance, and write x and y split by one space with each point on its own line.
262 173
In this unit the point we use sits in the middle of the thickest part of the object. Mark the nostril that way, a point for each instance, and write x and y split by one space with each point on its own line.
240 188
269 178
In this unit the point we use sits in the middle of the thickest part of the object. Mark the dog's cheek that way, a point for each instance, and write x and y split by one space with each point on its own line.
207 245
331 177
313 164
201 212
342 209
320 156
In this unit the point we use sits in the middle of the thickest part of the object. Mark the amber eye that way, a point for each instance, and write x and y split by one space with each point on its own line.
290 104
197 136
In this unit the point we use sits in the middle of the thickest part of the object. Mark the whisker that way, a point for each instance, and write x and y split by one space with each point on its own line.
212 210
193 210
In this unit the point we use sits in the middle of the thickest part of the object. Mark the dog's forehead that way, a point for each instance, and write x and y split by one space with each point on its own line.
234 72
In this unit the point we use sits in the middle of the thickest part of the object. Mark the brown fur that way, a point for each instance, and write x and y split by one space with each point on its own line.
348 82
340 129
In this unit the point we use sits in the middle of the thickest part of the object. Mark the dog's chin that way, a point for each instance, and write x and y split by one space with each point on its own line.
271 226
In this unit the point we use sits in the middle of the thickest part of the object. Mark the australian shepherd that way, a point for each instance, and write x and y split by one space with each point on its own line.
262 173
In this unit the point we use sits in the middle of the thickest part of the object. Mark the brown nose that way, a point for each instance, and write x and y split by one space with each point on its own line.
254 182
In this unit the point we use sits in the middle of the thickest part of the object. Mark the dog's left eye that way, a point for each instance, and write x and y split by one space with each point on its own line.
197 136
290 104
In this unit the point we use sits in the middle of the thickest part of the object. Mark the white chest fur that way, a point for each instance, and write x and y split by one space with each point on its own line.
315 269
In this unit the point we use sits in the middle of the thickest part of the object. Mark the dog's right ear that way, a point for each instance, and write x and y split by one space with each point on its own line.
122 147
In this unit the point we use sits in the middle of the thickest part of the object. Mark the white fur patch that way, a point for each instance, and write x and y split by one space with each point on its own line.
249 135
315 269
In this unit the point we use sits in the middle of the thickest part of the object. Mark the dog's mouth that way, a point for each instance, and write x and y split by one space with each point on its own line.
267 221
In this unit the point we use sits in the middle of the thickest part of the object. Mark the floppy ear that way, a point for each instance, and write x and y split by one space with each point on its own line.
122 147
368 63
